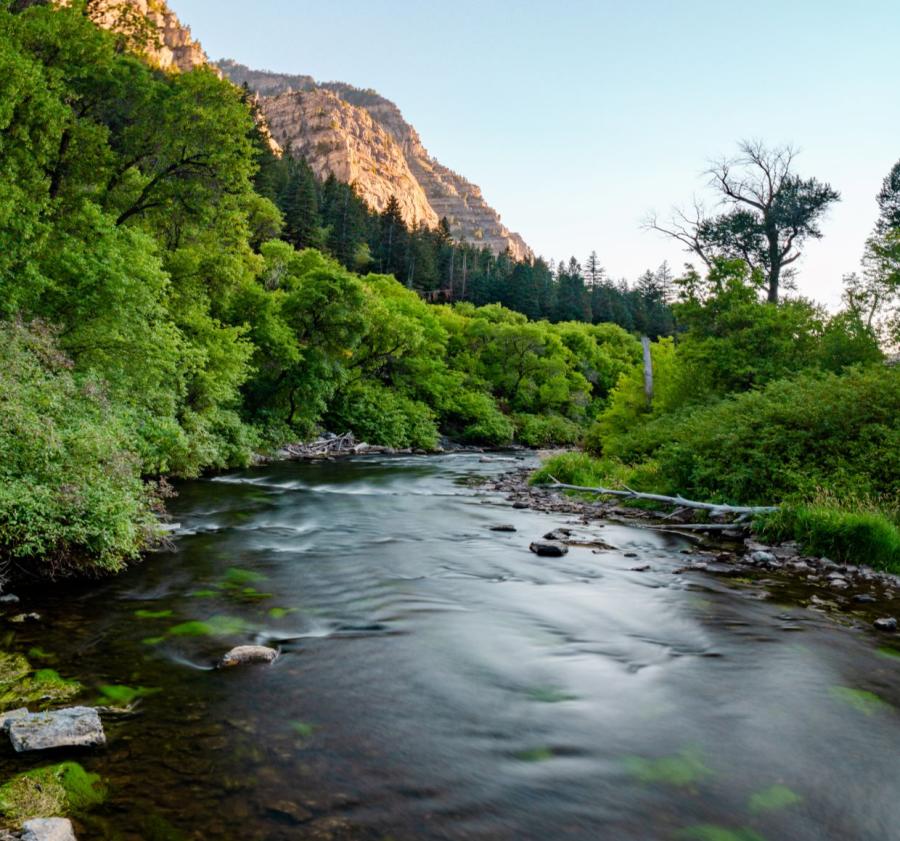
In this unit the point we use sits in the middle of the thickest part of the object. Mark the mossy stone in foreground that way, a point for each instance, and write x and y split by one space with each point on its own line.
19 687
54 790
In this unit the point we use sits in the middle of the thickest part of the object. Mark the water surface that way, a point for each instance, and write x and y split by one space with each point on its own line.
440 681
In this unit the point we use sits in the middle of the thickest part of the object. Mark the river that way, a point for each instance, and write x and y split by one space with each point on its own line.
439 681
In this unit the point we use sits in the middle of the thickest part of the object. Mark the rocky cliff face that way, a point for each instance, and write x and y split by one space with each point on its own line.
363 138
167 43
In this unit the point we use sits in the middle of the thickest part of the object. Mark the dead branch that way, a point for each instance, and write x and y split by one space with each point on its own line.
628 493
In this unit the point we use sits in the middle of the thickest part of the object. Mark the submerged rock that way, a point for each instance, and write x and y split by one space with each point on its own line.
558 534
548 548
48 829
72 727
504 527
244 654
886 623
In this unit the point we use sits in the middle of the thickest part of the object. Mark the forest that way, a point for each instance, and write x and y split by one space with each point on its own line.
176 299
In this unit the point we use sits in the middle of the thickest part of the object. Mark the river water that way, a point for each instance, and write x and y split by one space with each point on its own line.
437 680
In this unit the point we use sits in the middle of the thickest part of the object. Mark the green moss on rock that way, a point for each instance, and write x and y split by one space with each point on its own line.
55 790
21 687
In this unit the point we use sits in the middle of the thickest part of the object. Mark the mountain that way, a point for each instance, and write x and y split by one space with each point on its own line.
363 139
358 135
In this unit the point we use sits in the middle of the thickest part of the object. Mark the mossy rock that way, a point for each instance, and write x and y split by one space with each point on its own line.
20 686
52 791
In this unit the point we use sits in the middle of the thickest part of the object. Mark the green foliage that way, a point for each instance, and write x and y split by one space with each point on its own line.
71 497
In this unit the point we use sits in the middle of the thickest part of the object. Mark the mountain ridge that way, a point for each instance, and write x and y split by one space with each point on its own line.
446 193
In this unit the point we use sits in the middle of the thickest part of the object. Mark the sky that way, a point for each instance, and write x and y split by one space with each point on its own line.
578 118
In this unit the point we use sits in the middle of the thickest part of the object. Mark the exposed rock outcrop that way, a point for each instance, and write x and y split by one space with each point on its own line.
167 43
363 138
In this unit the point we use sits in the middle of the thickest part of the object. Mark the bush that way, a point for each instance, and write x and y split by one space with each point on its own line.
783 442
377 415
71 496
546 430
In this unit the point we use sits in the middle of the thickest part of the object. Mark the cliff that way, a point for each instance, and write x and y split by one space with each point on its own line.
153 29
363 138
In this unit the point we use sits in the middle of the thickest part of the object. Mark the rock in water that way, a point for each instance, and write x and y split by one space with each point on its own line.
548 548
48 829
558 534
248 654
503 527
7 718
73 727
887 623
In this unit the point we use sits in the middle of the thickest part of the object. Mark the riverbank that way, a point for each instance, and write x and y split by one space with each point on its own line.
855 594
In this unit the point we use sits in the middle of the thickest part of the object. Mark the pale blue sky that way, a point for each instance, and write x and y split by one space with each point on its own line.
577 117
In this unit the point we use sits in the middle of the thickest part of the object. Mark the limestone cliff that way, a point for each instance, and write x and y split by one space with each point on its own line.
363 138
154 29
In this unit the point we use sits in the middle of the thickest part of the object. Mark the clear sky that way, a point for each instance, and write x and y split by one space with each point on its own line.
577 117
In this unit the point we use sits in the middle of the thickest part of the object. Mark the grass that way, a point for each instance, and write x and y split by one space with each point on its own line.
62 789
849 531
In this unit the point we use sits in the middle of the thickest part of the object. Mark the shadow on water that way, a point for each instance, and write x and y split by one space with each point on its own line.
440 681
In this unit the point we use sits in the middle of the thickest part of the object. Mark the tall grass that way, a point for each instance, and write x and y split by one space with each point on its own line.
858 531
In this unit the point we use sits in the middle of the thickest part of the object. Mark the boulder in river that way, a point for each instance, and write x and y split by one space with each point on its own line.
244 654
7 718
558 534
48 829
68 728
504 527
761 556
886 623
549 548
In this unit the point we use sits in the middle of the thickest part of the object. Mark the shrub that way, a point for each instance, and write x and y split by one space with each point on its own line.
71 496
546 430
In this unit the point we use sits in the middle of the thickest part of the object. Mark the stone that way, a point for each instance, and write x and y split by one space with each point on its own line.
763 557
864 598
548 548
644 568
7 718
67 728
887 624
504 527
558 534
48 829
9 598
246 654
519 506
631 555
26 617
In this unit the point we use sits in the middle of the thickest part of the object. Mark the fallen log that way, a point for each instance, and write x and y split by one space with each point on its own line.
628 493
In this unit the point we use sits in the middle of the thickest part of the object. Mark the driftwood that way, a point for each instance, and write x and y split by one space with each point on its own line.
714 507
328 446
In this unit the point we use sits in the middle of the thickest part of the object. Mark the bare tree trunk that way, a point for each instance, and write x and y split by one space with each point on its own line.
648 371
714 507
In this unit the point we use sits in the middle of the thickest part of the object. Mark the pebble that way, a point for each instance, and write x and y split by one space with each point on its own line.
762 557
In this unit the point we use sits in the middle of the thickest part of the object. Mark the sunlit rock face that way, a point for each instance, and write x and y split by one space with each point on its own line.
170 44
363 139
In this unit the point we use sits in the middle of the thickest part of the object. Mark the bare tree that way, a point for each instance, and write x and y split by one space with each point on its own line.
769 212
